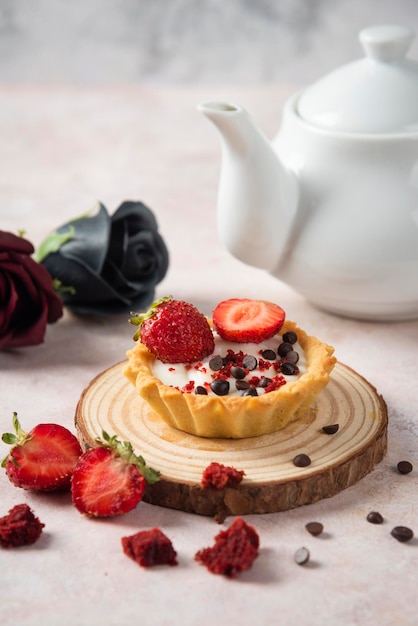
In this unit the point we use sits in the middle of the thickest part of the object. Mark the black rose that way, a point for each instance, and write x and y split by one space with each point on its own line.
107 265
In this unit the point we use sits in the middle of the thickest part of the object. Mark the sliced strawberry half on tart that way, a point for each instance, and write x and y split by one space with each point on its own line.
247 321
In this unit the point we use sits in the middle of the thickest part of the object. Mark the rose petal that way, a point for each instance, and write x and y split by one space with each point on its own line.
12 243
27 295
22 280
25 314
146 254
118 243
137 214
129 290
89 242
135 240
30 335
92 292
4 287
129 219
99 297
43 281
9 297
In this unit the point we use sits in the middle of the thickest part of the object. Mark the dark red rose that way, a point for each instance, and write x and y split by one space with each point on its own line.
27 298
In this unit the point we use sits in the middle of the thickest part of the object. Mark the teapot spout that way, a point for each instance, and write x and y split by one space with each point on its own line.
257 197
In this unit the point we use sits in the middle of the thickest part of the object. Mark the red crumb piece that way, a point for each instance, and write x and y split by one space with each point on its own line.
188 387
263 364
276 383
150 547
218 476
20 527
233 552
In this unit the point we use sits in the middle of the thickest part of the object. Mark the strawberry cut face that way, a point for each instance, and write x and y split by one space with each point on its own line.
247 321
45 459
104 485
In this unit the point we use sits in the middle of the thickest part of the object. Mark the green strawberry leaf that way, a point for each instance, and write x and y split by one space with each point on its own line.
138 319
125 450
18 438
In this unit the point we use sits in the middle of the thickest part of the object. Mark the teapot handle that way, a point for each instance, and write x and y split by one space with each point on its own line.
386 42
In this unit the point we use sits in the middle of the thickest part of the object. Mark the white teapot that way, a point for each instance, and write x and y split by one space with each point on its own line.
330 207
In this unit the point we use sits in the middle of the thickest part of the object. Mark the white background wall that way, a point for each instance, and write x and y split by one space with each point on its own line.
212 41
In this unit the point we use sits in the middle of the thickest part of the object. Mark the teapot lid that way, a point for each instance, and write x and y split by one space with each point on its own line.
376 94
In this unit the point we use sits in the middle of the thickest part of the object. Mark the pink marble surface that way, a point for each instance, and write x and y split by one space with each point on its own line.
62 149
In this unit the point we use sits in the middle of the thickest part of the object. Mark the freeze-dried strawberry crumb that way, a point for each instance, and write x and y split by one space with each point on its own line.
233 552
218 476
276 383
20 527
150 547
263 364
188 387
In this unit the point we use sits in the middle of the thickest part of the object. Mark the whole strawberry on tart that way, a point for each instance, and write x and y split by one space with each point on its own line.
246 372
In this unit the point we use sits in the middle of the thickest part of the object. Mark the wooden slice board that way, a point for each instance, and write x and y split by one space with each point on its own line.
272 482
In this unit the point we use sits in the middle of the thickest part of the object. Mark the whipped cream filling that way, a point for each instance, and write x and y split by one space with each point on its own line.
187 377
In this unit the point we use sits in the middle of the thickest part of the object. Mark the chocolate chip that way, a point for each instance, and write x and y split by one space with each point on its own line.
252 391
314 528
264 381
302 556
301 460
220 387
241 385
292 356
201 391
374 517
284 348
404 467
269 355
402 533
216 363
237 372
288 369
290 337
249 362
330 429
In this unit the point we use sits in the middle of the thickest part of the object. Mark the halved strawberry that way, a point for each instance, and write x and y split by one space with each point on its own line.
43 459
110 479
174 331
247 321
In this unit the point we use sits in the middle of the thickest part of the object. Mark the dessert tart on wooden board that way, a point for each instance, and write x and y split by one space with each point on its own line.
272 481
244 373
247 390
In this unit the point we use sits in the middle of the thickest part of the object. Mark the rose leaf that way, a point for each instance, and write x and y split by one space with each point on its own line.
53 243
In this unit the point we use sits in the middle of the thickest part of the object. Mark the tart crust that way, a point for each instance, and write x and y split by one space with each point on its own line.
234 417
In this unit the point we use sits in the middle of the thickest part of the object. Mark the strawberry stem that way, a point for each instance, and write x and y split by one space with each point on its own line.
18 438
124 450
138 319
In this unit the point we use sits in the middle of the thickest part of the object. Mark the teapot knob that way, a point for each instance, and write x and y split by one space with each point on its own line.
386 42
